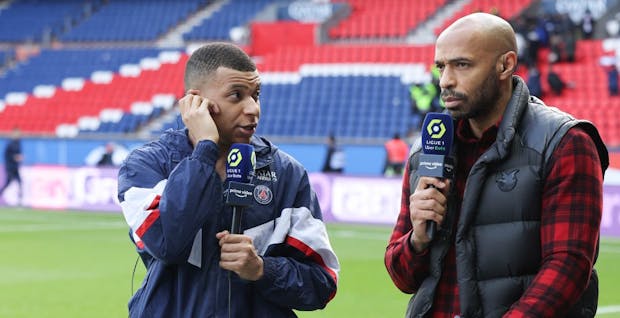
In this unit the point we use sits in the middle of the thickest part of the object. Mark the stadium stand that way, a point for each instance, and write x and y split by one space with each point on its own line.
132 20
351 106
104 74
52 66
34 20
232 14
291 57
589 99
371 19
102 95
506 9
5 57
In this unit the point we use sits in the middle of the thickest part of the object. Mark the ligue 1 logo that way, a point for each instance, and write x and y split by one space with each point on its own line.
234 157
437 134
435 128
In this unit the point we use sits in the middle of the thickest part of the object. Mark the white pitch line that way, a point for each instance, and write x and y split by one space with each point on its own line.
608 310
61 227
605 247
360 235
610 249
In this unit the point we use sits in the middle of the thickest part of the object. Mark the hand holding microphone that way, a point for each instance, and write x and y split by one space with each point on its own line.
237 251
428 207
435 169
239 255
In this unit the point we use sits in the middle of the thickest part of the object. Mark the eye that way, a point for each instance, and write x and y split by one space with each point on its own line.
462 64
256 95
235 95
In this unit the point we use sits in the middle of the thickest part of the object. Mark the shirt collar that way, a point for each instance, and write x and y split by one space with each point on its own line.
464 133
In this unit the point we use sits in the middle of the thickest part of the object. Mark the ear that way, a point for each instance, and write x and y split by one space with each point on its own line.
508 64
193 91
214 108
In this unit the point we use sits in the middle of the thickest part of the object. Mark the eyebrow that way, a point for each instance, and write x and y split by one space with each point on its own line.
454 60
238 86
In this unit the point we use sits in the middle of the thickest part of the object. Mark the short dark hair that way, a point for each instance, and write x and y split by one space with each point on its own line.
209 57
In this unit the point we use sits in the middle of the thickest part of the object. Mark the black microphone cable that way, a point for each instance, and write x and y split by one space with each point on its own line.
133 276
229 294
233 229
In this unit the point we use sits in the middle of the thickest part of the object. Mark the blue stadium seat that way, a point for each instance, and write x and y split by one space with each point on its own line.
29 20
6 56
51 67
132 20
232 14
349 106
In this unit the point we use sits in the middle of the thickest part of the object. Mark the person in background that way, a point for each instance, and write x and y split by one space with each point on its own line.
13 158
555 82
396 151
335 159
172 193
518 227
533 81
422 95
569 31
612 80
107 156
612 26
588 24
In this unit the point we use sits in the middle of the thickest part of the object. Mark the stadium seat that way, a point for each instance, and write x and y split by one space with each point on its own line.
130 20
356 90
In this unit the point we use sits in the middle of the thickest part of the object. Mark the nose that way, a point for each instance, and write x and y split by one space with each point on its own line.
252 107
446 79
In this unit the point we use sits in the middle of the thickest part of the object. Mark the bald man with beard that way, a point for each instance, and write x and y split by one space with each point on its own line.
518 227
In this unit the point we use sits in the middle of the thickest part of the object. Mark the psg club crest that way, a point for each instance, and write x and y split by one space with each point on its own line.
262 194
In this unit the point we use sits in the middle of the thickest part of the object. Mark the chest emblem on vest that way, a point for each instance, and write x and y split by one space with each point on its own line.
506 180
262 194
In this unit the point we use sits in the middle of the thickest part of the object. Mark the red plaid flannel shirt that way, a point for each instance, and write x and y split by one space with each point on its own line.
570 223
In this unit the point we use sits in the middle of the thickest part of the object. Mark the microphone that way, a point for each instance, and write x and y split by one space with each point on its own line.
435 160
240 164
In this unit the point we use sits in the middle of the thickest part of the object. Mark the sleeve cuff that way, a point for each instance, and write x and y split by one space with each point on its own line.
206 151
410 251
270 271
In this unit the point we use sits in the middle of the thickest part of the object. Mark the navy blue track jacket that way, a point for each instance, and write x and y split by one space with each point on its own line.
173 201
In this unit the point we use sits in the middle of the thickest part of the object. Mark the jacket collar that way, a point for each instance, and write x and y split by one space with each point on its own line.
264 150
178 139
512 116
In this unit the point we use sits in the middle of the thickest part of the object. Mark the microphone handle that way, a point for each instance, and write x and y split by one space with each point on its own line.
431 229
431 226
236 220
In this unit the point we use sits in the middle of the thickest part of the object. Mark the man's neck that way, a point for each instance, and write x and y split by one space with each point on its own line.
481 123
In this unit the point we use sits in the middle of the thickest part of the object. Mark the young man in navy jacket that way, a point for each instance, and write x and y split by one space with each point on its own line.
172 195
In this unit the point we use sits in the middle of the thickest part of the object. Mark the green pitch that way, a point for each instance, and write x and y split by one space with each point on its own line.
72 264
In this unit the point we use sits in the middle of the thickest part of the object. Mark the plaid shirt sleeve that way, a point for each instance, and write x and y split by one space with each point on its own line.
570 224
406 267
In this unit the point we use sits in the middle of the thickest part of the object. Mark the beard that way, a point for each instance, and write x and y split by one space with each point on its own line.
480 103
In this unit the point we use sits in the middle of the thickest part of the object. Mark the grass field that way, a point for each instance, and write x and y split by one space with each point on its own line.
72 264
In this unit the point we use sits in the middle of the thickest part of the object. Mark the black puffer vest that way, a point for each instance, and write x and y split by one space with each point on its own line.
498 249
